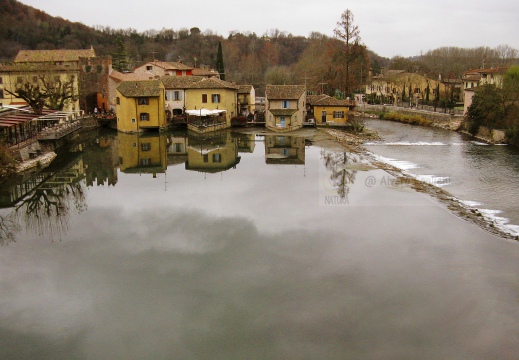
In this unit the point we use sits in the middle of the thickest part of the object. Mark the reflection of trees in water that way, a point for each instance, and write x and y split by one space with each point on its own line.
47 211
341 177
8 229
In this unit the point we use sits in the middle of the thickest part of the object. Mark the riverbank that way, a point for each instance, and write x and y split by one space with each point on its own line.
354 142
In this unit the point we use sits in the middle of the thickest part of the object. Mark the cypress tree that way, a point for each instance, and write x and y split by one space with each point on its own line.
219 62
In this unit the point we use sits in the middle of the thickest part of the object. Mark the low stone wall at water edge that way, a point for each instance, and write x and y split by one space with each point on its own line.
445 121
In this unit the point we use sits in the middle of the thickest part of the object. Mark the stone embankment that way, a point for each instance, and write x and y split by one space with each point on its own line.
434 119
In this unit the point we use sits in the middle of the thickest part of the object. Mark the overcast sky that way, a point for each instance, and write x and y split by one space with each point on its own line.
389 28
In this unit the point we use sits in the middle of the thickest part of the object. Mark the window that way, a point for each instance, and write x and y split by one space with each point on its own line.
146 146
217 158
206 158
1 81
215 98
144 117
143 101
1 94
133 120
204 98
149 67
118 101
285 104
338 114
145 162
178 95
285 152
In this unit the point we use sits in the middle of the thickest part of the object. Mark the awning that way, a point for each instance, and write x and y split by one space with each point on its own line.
204 112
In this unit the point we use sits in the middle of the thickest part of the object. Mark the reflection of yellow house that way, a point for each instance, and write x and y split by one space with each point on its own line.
140 105
212 153
245 142
142 153
329 110
284 149
285 107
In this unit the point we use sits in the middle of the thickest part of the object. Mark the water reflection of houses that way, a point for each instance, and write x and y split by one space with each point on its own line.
142 153
212 152
69 171
284 150
246 143
177 148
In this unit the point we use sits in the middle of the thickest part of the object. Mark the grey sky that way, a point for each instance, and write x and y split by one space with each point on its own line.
389 28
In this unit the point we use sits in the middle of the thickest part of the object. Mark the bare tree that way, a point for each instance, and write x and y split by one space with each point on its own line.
349 34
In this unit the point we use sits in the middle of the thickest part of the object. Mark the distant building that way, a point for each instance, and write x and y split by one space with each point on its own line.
478 77
156 69
246 100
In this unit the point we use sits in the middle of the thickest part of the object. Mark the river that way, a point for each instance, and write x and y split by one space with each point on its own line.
257 246
484 177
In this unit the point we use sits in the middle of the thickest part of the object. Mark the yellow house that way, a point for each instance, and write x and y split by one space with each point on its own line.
327 110
143 153
140 105
285 107
246 100
211 154
210 104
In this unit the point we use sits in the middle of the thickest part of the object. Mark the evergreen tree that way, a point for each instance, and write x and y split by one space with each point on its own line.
120 59
219 62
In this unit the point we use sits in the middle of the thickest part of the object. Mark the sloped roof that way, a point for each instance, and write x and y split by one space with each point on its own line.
284 92
212 83
244 89
119 76
146 88
312 99
178 82
326 100
205 72
52 55
167 65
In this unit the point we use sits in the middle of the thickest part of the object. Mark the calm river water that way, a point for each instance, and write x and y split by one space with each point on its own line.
257 246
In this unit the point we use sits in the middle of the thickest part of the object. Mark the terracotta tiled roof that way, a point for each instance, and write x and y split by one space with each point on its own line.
168 65
244 89
52 55
212 83
147 88
119 76
312 99
205 72
329 101
178 82
284 92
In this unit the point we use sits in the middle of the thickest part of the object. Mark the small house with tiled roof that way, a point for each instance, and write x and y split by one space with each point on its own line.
327 110
176 93
285 107
246 100
140 105
157 69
